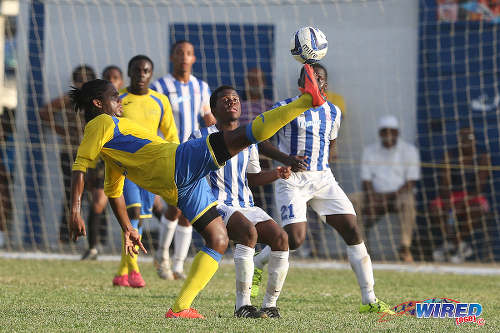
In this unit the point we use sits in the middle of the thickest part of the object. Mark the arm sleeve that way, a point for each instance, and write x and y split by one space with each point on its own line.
336 123
113 180
365 166
96 134
253 160
167 125
413 160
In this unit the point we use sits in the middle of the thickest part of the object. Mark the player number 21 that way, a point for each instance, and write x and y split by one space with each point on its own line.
284 210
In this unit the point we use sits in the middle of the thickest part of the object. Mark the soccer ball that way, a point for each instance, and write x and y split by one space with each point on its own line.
308 45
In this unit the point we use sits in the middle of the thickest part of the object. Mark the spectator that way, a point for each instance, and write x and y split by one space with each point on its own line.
255 102
461 204
389 171
69 126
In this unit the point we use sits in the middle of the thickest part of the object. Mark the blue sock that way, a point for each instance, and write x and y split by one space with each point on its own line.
135 223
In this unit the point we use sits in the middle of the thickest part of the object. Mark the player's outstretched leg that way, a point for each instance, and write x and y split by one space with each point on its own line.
360 261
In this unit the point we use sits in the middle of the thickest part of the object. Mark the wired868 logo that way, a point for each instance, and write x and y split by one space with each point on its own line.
438 308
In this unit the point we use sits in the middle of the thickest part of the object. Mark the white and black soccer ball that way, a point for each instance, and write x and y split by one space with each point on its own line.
308 45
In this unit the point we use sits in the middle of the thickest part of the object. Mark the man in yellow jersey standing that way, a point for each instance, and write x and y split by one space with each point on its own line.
176 172
152 111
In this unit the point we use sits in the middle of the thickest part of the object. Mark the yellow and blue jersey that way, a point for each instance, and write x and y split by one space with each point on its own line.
175 172
152 111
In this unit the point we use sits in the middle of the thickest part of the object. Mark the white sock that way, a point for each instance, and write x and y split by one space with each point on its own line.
362 266
167 230
278 268
243 263
183 236
261 259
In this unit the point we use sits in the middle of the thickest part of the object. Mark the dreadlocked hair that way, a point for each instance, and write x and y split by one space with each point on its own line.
82 99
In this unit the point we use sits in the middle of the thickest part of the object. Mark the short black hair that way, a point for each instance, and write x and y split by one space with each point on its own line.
314 66
83 69
213 97
110 68
174 46
82 99
140 57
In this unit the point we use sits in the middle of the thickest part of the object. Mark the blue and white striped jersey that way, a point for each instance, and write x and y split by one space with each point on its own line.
190 102
310 134
229 184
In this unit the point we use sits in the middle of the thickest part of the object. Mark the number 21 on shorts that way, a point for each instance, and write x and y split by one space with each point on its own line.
287 212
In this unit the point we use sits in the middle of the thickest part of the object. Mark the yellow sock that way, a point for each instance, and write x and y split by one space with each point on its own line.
268 123
132 262
123 269
204 266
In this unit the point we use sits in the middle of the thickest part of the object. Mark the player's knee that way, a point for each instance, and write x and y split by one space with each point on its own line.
172 213
353 233
218 242
250 236
280 243
295 241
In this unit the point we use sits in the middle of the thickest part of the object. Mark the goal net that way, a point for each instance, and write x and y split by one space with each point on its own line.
430 64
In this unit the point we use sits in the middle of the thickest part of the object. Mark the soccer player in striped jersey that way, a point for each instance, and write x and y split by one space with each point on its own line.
152 111
175 172
189 97
304 145
245 222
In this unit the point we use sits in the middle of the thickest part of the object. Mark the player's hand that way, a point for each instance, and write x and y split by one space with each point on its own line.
133 239
297 163
284 172
76 226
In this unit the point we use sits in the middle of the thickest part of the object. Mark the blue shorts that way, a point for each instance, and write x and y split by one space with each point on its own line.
194 160
136 196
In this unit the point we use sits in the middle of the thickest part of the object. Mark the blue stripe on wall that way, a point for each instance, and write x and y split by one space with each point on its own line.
34 157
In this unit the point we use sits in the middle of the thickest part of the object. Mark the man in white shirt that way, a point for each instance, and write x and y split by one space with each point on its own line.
389 170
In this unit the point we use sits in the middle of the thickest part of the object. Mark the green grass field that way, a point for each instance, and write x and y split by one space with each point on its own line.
44 296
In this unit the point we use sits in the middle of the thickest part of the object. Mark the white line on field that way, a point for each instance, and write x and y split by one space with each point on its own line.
409 268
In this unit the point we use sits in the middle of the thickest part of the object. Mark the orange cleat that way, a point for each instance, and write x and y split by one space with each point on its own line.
135 280
188 313
311 86
121 281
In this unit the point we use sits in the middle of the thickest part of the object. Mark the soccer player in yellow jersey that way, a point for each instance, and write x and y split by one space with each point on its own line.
175 172
152 111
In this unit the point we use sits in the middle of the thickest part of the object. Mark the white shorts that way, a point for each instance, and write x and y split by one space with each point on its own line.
318 188
253 214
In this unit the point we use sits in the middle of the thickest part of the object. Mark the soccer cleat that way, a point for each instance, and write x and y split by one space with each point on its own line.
256 281
311 86
163 270
135 280
377 307
121 281
188 313
271 312
179 276
90 254
249 311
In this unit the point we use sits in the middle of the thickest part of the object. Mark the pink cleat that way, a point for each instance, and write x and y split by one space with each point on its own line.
121 281
188 313
135 280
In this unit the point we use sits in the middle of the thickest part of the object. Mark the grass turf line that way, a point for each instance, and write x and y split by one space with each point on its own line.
42 295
